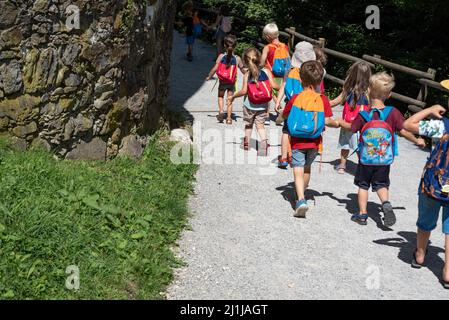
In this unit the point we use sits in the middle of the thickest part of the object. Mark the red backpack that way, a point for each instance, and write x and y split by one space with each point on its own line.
259 92
227 73
350 112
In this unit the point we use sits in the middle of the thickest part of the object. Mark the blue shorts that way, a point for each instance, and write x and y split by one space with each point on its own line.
190 40
303 158
428 213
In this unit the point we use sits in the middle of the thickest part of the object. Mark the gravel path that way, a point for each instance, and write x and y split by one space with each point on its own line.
245 244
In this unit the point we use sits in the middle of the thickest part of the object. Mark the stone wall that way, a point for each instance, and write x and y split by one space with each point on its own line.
88 90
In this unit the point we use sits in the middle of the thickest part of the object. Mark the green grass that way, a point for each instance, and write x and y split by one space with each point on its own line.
115 220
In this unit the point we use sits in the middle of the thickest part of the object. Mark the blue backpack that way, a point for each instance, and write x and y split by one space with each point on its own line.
378 141
293 84
435 178
306 118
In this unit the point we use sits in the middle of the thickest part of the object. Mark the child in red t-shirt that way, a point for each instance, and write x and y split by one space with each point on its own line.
304 151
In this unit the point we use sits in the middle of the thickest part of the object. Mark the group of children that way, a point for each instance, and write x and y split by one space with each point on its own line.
367 126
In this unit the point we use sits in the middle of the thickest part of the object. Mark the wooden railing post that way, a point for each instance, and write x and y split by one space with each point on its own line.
292 40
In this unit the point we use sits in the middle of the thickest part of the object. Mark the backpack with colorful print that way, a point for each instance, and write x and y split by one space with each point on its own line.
306 118
227 74
281 59
293 84
435 178
351 111
378 142
259 92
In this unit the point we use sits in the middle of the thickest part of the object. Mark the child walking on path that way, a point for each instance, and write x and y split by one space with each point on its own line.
377 147
307 115
433 195
257 89
275 57
226 69
223 23
355 99
291 86
188 22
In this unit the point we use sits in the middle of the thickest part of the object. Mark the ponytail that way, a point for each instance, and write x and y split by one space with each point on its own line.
252 58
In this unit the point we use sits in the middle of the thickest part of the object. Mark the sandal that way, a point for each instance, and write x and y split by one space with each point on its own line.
282 163
263 148
245 144
415 263
361 219
220 117
341 169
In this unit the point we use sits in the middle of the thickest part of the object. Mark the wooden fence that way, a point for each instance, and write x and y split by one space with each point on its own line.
425 79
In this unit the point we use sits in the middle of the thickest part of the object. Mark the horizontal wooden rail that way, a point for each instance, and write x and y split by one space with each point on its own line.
345 56
302 37
432 84
394 95
398 67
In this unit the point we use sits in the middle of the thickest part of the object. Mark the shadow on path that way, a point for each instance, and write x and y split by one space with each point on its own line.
407 245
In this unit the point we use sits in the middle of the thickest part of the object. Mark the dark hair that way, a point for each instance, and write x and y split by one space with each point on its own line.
312 73
187 6
230 42
224 10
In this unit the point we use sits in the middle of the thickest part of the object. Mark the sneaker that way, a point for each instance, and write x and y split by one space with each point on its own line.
301 209
389 216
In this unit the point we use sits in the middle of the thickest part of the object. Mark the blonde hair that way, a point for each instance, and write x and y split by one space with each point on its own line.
271 32
381 85
252 57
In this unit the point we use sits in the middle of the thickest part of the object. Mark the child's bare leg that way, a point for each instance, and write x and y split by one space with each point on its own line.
383 195
344 157
446 265
220 101
261 131
299 176
248 132
363 201
422 239
285 141
229 111
307 172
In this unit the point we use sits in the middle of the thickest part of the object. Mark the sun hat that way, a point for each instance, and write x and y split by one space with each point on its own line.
303 52
445 84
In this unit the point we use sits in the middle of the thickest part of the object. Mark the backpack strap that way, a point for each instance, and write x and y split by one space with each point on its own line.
366 116
386 112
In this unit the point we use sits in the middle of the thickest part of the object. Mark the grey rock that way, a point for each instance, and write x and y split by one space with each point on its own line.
131 147
92 150
73 80
8 14
71 52
11 77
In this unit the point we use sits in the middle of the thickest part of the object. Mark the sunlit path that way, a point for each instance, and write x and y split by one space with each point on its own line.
245 244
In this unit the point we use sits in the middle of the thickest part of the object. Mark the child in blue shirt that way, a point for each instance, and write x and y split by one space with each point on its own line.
428 207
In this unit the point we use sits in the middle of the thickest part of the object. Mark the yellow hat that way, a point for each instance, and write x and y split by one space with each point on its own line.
445 84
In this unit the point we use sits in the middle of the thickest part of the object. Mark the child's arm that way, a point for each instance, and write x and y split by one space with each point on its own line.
331 123
411 137
263 59
214 68
281 96
412 123
273 84
242 92
217 21
241 65
344 124
337 100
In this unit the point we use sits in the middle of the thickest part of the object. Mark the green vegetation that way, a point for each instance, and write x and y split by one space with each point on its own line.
115 220
412 33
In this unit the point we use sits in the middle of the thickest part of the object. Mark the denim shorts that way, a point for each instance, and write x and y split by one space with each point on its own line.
303 158
428 213
347 140
190 40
